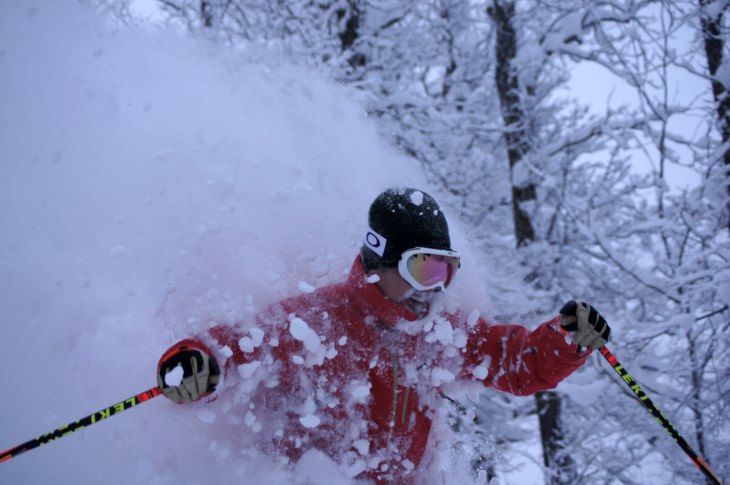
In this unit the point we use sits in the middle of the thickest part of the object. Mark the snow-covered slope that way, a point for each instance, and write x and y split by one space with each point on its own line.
147 189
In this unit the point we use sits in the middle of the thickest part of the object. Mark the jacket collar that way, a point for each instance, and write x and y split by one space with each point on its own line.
368 299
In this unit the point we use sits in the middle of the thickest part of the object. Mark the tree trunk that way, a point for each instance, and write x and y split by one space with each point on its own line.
206 13
513 115
697 395
350 33
711 23
556 460
549 403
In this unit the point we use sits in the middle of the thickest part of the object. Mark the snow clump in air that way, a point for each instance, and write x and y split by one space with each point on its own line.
482 370
360 390
310 421
473 317
246 344
300 330
417 197
248 369
442 332
440 376
175 377
362 446
257 336
356 468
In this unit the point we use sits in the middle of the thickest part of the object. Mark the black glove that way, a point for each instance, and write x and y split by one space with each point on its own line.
200 372
588 326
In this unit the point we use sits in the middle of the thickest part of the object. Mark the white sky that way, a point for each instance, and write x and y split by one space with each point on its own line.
597 87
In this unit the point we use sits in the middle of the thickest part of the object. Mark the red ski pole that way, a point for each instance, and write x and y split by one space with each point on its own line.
81 423
661 419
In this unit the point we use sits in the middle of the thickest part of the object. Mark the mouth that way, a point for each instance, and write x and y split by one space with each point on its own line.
419 301
422 296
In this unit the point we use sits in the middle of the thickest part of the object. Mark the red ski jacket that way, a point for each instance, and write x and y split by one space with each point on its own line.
346 370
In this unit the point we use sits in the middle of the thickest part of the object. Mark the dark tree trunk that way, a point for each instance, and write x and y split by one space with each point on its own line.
513 116
714 46
206 13
351 33
561 466
697 397
549 403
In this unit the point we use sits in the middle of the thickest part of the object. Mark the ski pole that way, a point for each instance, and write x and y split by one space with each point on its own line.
651 407
81 423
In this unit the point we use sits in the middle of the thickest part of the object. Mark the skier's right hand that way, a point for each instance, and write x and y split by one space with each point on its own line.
186 372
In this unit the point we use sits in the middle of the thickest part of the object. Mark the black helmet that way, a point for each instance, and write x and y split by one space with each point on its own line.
401 219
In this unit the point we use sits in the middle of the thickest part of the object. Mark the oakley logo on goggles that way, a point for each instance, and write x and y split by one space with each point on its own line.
426 269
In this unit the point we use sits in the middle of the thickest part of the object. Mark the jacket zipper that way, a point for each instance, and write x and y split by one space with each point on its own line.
394 361
404 410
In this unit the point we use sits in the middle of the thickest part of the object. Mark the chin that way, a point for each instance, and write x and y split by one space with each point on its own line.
420 308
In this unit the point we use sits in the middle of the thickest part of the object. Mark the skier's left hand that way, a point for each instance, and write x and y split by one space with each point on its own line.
588 327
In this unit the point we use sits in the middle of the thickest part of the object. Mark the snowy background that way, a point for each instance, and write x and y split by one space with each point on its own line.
153 182
150 188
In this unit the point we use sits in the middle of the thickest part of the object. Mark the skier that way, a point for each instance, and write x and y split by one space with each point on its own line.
355 369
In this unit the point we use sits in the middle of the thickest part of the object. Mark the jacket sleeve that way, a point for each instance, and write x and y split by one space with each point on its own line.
237 349
515 360
229 336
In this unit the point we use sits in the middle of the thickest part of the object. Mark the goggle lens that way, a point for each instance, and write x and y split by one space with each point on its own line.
431 269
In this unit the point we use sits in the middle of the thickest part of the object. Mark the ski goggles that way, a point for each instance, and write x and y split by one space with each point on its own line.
426 269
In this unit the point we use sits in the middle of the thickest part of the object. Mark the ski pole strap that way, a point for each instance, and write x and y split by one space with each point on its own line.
661 419
81 423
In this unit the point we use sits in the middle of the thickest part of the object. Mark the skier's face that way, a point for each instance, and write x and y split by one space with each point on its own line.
398 290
